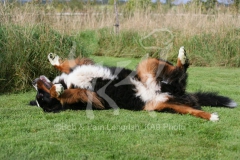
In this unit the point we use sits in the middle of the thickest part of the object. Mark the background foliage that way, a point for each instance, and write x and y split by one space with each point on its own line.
30 31
24 53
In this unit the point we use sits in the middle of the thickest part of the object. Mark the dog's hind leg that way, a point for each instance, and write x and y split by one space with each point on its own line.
153 69
182 109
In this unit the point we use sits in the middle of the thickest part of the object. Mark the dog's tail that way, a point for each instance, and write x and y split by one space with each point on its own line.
214 100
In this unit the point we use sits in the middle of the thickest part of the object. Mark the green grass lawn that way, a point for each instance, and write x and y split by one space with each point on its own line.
28 133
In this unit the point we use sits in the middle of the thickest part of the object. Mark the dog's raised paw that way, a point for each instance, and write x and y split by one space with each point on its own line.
59 89
56 90
214 117
182 55
53 59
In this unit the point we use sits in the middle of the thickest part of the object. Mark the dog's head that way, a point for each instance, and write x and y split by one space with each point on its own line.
43 98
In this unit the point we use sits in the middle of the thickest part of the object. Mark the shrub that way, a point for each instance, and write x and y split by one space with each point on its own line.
24 53
24 50
124 44
209 49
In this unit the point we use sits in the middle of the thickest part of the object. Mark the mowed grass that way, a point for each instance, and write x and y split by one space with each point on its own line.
28 133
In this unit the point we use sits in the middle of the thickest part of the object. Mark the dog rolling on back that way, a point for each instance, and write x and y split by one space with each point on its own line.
156 85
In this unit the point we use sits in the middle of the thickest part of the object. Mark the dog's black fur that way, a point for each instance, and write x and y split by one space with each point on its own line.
123 96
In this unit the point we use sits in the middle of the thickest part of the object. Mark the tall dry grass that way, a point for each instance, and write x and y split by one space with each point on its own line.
190 22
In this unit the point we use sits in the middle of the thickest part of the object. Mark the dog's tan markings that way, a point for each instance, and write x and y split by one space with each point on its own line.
179 63
182 109
153 68
71 96
53 92
40 85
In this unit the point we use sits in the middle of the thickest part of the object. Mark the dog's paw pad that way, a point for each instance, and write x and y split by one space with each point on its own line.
59 89
182 55
53 59
214 117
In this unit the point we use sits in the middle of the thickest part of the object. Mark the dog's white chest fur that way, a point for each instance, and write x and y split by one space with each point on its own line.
82 76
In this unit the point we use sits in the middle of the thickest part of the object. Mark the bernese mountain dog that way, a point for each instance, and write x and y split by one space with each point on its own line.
155 85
